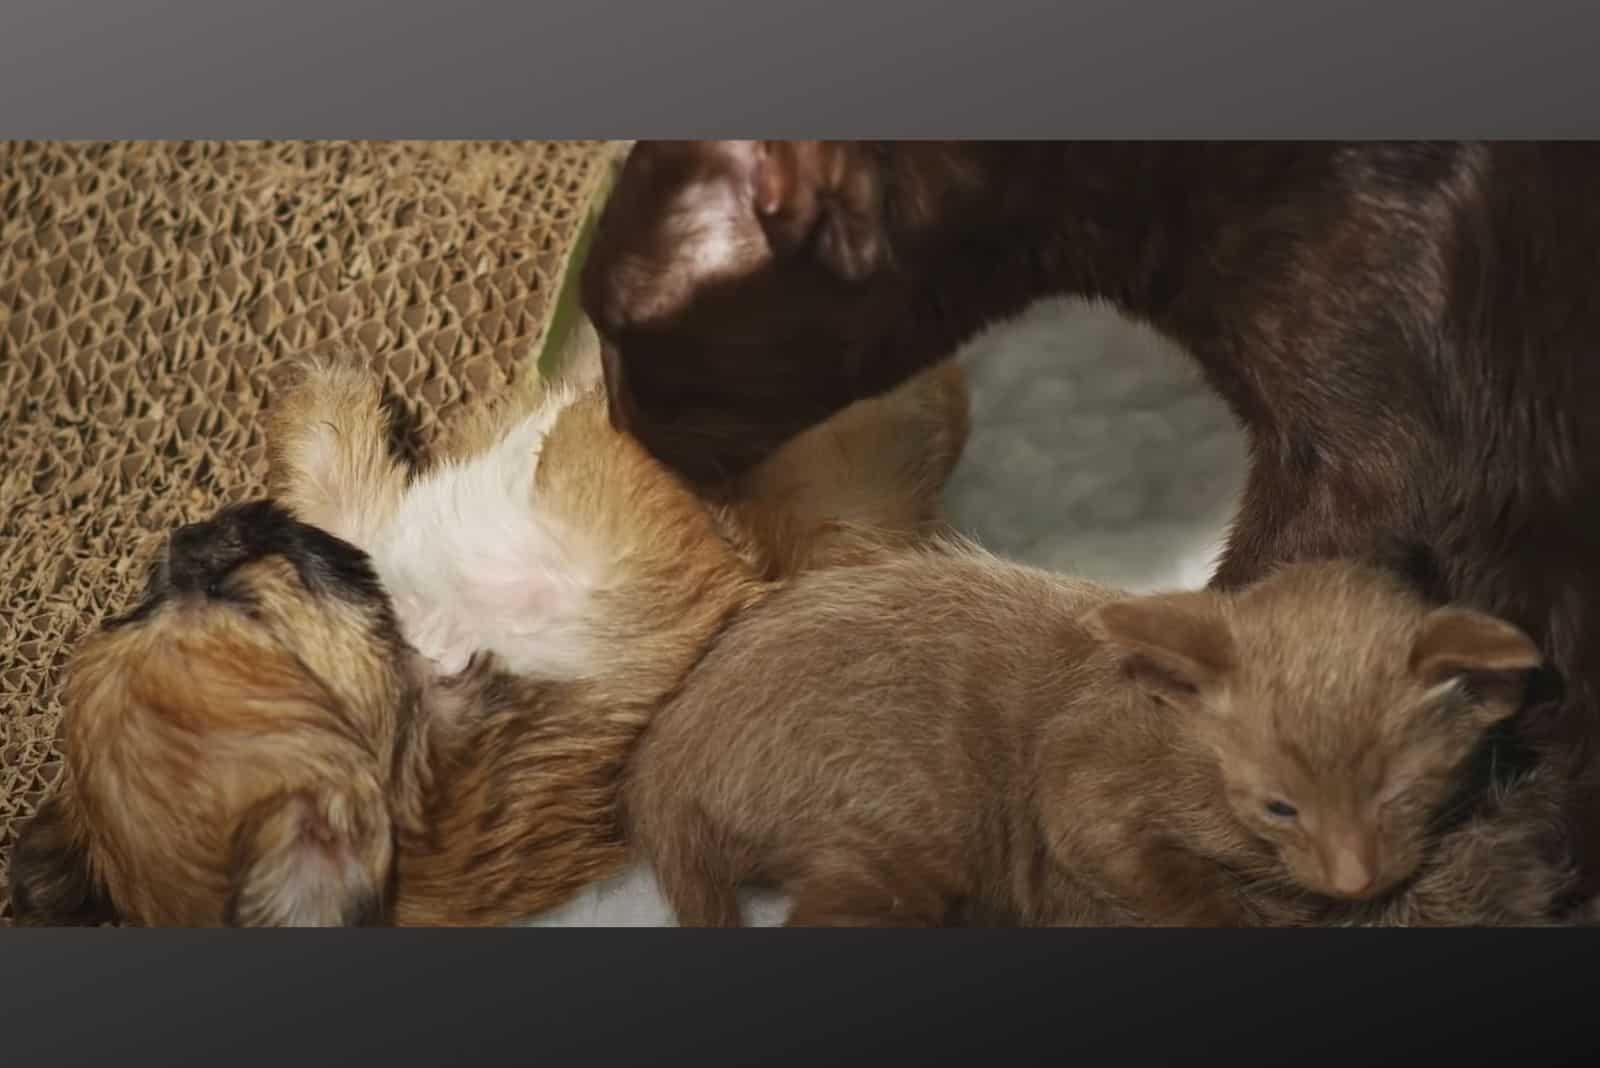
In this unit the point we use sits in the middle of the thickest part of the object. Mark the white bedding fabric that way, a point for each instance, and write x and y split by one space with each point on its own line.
1096 449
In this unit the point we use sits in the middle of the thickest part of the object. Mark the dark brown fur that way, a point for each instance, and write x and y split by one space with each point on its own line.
940 737
1408 332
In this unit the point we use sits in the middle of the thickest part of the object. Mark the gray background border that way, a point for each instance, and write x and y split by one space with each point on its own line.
783 68
693 68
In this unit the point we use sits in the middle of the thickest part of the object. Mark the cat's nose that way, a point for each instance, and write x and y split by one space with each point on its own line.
1352 864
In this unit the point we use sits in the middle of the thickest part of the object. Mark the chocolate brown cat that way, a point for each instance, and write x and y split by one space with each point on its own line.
1407 332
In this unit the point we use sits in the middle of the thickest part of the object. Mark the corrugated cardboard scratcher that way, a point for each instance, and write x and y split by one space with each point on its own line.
147 290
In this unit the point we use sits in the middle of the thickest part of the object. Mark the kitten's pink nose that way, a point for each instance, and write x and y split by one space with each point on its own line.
1351 863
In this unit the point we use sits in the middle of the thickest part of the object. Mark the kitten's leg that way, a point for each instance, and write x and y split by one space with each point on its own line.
329 459
683 851
839 893
878 467
808 912
1167 886
700 895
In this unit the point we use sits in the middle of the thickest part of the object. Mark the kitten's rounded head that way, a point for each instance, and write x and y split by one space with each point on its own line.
1339 709
228 741
727 281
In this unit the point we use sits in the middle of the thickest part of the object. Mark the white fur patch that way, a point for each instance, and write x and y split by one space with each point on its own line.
472 563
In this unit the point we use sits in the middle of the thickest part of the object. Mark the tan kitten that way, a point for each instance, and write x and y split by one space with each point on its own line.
943 737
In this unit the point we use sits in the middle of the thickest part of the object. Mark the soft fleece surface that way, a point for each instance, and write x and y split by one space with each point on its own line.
1096 449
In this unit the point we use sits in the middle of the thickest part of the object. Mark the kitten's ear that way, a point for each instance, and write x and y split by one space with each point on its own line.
1491 656
1174 646
51 881
822 195
309 859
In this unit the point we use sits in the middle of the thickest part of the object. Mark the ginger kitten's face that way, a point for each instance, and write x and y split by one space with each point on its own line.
228 741
1339 710
1348 815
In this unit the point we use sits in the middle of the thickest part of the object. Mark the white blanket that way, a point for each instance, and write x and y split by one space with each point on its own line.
1096 449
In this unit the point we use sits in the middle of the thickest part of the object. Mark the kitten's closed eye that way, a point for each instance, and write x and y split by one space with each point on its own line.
1281 809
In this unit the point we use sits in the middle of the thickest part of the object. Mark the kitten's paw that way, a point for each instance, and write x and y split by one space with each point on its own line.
327 438
321 390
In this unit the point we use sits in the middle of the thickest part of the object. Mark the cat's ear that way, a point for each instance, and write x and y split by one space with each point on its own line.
824 197
52 884
1173 646
309 859
1488 657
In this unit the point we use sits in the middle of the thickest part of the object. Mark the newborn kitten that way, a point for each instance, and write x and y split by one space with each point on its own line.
943 737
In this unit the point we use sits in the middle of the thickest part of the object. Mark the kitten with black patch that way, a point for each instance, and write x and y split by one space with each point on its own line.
405 695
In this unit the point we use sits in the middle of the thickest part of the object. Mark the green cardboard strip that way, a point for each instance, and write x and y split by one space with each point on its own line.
568 313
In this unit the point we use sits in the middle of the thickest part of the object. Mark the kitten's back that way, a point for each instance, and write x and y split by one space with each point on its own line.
893 697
